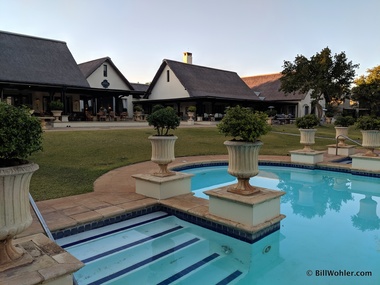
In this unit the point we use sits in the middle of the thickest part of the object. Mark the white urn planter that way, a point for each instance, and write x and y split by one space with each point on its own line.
191 116
307 138
15 214
243 163
371 140
56 115
163 153
341 133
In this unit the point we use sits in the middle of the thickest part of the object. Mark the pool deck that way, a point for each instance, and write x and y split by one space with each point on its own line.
114 194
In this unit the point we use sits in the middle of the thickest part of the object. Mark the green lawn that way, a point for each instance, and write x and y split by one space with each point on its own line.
72 160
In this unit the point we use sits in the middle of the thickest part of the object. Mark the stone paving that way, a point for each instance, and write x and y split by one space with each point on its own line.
114 194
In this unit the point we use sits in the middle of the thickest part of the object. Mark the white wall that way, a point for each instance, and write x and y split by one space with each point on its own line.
96 78
307 102
167 90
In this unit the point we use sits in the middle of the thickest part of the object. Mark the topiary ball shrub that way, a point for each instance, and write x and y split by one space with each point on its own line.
244 124
56 105
163 119
20 135
367 123
309 121
344 121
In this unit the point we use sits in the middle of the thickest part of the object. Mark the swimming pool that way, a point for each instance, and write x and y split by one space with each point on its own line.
330 233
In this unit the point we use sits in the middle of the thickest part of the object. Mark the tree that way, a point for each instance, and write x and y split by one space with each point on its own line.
324 75
367 90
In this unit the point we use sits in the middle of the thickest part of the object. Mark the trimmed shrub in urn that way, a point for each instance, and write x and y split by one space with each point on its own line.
246 127
163 120
306 126
56 108
370 128
21 135
191 111
341 128
56 105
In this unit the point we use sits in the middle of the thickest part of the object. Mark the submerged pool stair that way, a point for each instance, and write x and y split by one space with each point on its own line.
152 249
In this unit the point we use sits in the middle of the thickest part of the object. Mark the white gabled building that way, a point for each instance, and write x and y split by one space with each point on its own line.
182 84
103 73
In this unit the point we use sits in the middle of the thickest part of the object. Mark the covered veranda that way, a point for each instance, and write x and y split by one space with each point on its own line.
77 101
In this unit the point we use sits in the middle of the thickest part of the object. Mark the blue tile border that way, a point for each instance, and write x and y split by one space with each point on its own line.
220 228
284 164
105 222
196 220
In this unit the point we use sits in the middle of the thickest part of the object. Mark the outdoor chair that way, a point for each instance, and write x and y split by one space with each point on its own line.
89 117
112 116
123 115
102 116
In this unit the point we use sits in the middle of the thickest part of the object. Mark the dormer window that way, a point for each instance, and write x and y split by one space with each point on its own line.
105 70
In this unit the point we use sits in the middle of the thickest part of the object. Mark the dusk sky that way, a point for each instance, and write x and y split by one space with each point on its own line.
249 37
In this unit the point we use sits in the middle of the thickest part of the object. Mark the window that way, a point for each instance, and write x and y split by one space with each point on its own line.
167 75
306 110
105 70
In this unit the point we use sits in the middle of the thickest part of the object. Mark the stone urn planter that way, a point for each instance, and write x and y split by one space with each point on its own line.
341 128
15 175
370 128
306 125
191 116
56 114
371 140
245 126
56 108
15 214
341 133
163 120
163 153
307 138
243 163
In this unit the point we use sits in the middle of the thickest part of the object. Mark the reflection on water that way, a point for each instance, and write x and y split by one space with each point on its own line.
332 223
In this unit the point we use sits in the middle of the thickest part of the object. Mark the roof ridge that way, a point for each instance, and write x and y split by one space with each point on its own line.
98 59
200 66
265 74
32 37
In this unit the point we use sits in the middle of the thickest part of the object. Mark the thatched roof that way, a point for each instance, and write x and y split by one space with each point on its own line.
89 67
32 60
268 85
140 87
205 82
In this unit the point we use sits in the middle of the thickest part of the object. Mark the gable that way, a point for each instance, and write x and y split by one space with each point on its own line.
167 88
26 59
94 73
201 81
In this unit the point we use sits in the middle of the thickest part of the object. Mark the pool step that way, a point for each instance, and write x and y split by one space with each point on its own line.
167 266
102 246
158 249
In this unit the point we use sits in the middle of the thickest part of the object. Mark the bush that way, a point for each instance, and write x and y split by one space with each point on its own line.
244 123
56 105
344 121
138 108
192 109
20 134
367 123
163 120
309 121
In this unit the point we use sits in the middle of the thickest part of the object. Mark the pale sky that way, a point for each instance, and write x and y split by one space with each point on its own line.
249 37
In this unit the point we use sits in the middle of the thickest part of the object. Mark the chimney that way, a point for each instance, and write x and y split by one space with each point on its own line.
188 57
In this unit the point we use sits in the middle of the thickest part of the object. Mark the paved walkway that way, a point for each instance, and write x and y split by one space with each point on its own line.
114 194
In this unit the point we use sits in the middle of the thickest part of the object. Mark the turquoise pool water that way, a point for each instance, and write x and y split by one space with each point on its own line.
331 235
